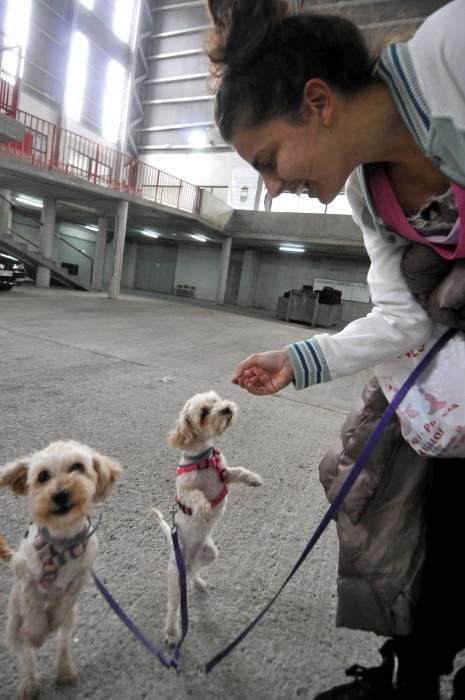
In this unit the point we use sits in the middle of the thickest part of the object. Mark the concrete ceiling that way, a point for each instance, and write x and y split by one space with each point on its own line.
82 203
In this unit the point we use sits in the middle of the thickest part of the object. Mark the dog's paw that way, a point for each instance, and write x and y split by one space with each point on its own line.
200 584
28 689
171 636
253 479
203 512
67 673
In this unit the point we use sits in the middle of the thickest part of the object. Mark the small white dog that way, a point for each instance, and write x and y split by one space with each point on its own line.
62 483
202 480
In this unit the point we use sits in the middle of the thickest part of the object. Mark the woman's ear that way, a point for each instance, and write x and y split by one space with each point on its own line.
318 99
108 472
182 435
14 476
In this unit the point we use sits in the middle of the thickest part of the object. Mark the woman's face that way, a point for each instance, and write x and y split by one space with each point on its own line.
297 157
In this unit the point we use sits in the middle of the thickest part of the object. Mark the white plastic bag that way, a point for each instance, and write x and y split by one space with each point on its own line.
432 415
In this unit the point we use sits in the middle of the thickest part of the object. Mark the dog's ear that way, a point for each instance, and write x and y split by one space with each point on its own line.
14 475
182 435
108 471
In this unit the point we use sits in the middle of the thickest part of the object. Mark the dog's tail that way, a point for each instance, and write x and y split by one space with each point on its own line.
158 515
5 552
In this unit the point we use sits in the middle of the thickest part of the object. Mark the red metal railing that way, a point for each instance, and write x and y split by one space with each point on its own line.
10 62
48 146
38 145
80 157
157 186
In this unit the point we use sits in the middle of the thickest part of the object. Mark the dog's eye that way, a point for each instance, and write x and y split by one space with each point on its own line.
204 413
43 477
77 467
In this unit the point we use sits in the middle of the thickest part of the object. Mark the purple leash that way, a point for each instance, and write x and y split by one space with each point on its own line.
130 624
342 493
183 591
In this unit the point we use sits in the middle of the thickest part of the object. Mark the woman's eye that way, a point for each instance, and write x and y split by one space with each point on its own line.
77 467
43 477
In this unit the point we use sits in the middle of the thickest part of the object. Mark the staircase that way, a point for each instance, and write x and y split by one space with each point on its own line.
32 257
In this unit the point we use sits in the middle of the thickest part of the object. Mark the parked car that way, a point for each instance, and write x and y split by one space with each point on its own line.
12 271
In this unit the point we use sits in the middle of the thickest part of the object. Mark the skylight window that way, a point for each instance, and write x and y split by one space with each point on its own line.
17 20
76 76
88 3
113 101
122 19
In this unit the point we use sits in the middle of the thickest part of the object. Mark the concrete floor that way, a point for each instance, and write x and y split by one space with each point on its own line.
114 375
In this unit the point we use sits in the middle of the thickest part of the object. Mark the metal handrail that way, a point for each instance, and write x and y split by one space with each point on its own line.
71 245
15 233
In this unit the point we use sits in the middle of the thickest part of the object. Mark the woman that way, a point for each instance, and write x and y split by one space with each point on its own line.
301 100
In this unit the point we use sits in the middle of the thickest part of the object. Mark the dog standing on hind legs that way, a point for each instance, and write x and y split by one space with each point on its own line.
51 566
202 479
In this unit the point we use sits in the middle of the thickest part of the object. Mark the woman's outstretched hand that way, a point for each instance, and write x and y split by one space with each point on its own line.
264 372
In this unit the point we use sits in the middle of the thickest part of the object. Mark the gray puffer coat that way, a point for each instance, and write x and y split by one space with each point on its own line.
381 526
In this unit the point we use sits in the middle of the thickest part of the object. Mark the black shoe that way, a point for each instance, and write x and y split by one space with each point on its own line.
459 685
370 683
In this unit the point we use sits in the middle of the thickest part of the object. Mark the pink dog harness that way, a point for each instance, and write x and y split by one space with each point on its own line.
208 460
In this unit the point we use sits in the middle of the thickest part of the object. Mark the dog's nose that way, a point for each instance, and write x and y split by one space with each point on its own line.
61 498
226 411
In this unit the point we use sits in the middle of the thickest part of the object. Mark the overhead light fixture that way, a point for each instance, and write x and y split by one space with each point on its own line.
199 237
150 234
29 201
91 227
292 248
198 139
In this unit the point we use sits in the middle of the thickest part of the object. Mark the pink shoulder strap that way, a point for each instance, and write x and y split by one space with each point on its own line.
388 208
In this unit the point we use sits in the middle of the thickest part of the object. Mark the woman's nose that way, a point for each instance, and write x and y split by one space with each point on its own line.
273 184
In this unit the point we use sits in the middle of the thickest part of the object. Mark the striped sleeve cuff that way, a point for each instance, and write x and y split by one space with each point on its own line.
308 363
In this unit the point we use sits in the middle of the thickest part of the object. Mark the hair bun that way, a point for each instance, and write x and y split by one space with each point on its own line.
242 30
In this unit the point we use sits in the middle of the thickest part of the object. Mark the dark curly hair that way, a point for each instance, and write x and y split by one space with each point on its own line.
262 56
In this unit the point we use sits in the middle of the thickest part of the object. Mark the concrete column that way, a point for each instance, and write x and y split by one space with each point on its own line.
268 203
5 211
131 262
224 267
120 235
99 260
249 272
46 240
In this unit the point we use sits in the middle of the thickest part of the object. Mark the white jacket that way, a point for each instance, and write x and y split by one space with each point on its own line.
426 77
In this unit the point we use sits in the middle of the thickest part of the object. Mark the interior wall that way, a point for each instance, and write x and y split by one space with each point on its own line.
39 108
26 227
279 273
155 267
80 238
203 169
199 268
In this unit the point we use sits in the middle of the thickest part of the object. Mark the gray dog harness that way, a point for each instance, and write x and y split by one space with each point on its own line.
55 553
